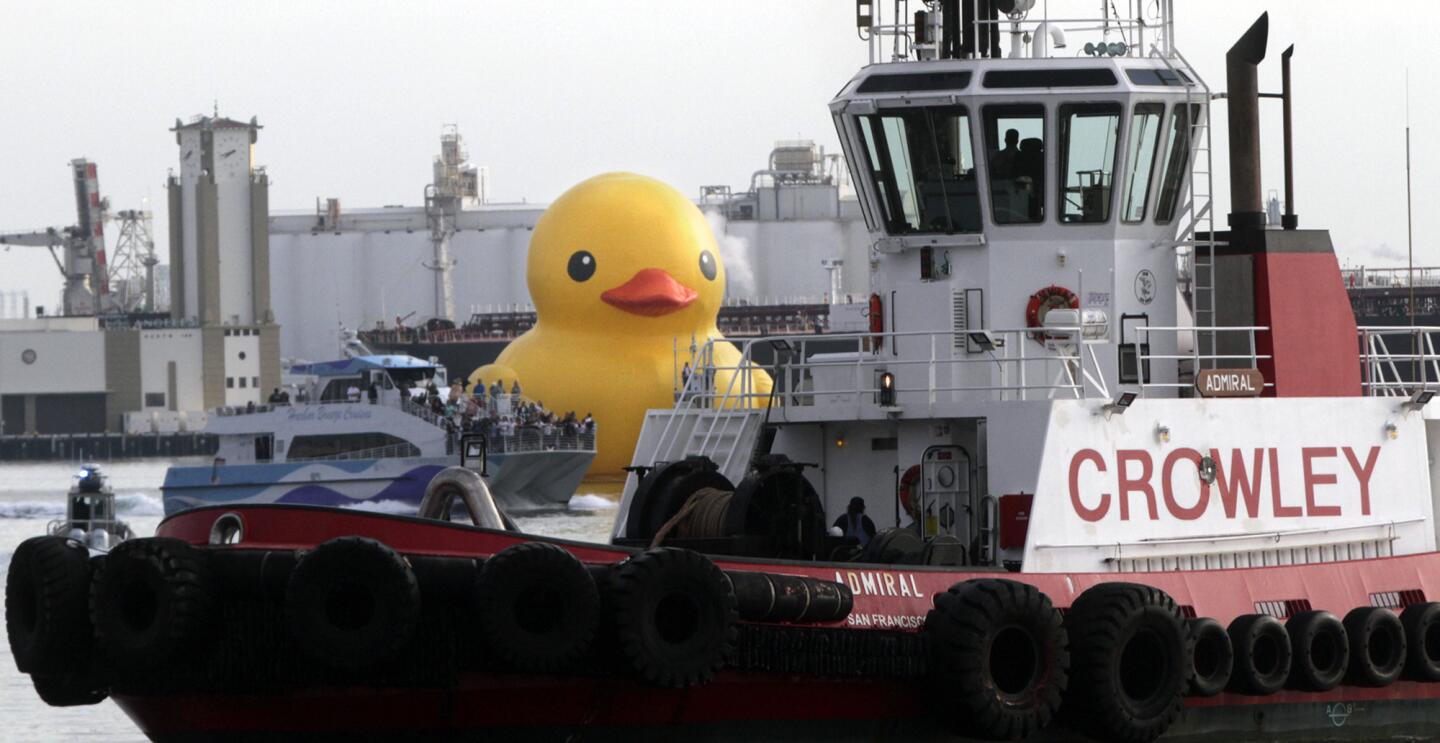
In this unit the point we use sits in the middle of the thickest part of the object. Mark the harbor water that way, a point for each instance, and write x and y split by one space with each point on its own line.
31 495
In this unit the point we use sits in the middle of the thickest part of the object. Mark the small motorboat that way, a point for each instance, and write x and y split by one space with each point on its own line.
90 512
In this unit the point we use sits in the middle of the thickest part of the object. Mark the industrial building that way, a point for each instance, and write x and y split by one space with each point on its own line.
126 369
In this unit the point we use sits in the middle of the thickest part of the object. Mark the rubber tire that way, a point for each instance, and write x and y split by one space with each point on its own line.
537 607
969 631
1422 639
150 601
1306 629
1212 659
47 605
352 602
1262 654
68 690
1366 626
1102 625
674 615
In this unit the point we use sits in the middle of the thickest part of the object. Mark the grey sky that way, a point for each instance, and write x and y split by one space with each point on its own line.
352 96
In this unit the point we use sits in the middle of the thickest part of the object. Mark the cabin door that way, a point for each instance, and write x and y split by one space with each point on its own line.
264 448
945 493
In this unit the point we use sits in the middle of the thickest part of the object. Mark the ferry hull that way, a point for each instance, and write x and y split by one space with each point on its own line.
518 481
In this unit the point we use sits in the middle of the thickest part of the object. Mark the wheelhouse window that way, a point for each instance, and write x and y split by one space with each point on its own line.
1140 159
922 167
1177 149
1089 141
1015 143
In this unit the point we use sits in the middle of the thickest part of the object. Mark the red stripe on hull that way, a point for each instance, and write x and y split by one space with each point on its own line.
886 597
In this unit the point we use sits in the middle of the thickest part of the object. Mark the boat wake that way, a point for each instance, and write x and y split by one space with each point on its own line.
126 504
590 502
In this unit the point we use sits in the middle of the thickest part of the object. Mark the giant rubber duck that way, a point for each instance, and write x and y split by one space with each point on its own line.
625 275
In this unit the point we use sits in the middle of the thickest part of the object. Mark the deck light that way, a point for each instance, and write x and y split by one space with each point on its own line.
1392 431
1419 400
1162 433
1121 404
887 390
985 341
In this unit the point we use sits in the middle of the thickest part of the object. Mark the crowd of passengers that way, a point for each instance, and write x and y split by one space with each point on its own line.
501 415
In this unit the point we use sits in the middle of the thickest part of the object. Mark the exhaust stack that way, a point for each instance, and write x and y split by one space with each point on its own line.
1247 210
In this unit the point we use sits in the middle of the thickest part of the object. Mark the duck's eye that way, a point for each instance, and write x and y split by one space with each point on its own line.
582 265
707 264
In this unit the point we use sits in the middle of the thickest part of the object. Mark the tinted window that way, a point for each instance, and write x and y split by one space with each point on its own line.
1082 78
342 445
915 81
1015 142
1089 140
1157 77
1177 154
922 167
1140 159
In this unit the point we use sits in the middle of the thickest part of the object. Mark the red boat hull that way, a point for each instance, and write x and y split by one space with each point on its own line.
759 706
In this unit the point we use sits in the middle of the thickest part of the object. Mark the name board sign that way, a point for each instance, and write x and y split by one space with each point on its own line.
1230 382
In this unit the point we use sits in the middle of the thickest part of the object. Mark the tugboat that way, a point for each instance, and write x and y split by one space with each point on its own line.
1129 520
90 512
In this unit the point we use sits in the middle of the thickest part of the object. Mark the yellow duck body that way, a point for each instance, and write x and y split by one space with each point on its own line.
625 275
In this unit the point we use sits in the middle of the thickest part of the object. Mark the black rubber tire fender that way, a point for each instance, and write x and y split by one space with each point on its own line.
1129 662
47 605
673 613
1000 658
1422 641
537 607
352 602
151 600
1319 651
1262 654
68 690
1377 646
1212 659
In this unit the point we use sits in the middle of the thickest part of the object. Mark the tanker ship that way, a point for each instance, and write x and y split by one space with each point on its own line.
1037 499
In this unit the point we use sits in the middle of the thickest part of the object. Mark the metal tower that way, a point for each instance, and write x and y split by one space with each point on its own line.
132 267
456 184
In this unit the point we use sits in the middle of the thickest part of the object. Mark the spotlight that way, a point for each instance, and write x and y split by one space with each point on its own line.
1419 400
1121 404
985 341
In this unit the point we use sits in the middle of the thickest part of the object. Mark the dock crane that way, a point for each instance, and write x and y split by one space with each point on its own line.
83 244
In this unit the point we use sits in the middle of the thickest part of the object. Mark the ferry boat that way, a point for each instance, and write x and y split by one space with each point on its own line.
1112 537
356 431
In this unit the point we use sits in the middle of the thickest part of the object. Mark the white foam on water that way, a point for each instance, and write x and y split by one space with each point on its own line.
591 502
397 507
32 509
138 504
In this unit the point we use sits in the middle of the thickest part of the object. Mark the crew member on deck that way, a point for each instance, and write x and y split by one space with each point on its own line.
854 523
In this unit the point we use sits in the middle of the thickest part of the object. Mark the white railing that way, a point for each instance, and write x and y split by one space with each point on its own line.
1401 372
1127 24
1230 348
1027 370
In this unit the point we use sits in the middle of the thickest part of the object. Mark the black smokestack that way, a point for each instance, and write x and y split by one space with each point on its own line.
1242 81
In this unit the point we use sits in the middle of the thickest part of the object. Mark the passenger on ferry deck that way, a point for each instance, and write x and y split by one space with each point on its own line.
352 393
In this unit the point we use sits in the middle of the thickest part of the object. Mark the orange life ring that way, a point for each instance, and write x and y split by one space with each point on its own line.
1052 297
908 491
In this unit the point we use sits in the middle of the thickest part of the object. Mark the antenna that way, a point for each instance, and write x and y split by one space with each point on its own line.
1409 223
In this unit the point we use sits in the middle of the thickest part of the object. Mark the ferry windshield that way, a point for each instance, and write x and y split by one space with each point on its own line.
1089 138
1015 139
922 165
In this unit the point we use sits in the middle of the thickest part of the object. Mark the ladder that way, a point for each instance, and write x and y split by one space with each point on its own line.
1196 239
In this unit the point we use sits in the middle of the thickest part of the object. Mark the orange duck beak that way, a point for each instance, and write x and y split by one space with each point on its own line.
651 292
